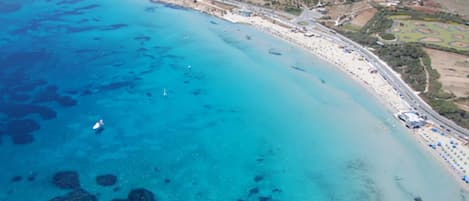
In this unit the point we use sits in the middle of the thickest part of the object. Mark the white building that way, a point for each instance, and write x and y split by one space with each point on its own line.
411 119
309 34
245 12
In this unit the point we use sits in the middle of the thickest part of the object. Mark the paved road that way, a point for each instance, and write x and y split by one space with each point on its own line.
406 92
393 78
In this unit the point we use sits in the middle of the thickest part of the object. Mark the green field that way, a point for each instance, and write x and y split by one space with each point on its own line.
442 34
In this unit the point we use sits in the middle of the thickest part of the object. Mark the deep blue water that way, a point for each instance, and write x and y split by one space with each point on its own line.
238 123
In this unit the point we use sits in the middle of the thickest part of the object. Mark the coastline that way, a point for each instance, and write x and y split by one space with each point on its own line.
351 63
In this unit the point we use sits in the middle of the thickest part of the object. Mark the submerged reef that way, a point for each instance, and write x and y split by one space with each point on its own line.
258 178
9 7
253 191
20 130
23 126
139 194
50 94
76 195
66 180
16 179
106 180
22 110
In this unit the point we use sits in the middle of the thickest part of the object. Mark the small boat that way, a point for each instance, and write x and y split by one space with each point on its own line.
98 125
164 92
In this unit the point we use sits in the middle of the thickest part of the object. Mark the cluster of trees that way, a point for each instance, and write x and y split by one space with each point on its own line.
378 24
388 36
425 16
450 110
405 59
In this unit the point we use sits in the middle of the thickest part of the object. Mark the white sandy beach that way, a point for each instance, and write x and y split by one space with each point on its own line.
451 152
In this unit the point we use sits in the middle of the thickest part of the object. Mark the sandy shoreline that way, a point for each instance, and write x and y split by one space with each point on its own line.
453 154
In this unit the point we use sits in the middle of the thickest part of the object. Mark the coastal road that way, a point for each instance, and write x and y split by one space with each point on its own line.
407 94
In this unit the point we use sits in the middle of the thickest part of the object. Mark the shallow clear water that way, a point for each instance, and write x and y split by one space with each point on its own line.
233 112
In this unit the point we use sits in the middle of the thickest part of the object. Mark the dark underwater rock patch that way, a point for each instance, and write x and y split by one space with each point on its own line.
46 95
142 49
115 85
258 178
196 92
29 86
76 195
86 92
106 180
113 27
88 7
15 127
25 58
50 94
9 7
17 97
68 2
142 38
66 101
22 110
22 139
31 176
276 190
264 198
140 194
73 29
66 180
16 179
150 9
253 191
86 51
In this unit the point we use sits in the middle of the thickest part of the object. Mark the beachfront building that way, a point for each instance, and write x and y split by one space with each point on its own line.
245 12
309 34
411 119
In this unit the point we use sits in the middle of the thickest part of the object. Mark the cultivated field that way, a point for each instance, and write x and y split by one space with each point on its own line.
446 35
454 73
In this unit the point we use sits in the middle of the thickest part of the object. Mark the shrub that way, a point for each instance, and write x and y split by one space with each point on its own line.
387 36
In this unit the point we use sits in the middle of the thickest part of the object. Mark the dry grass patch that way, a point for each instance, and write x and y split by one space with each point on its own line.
453 69
347 9
361 19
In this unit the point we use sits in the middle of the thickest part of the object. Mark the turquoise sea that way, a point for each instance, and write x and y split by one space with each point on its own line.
237 123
